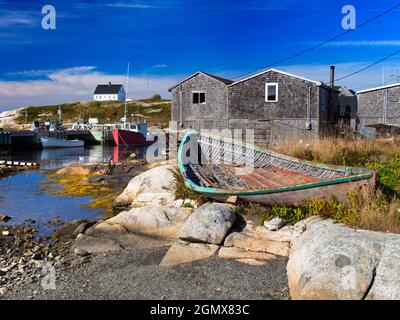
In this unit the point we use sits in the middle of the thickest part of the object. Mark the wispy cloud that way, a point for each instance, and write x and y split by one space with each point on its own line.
365 43
129 5
74 84
15 18
159 66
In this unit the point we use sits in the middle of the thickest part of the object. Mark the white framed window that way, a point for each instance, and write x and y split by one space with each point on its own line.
271 92
198 97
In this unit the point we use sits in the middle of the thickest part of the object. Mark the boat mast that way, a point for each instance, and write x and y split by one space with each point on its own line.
126 95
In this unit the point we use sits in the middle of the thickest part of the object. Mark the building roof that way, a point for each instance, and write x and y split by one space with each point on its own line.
318 83
108 88
223 80
379 88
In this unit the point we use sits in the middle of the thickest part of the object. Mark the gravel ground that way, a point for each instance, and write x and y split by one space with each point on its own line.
135 274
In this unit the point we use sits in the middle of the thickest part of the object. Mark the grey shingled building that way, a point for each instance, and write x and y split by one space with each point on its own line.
276 104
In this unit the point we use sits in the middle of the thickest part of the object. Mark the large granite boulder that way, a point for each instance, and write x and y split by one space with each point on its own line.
155 186
386 284
210 224
332 261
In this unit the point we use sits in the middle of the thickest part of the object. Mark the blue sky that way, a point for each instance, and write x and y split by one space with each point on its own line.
168 40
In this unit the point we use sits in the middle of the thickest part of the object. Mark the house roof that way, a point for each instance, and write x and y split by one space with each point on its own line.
379 88
108 88
318 83
223 80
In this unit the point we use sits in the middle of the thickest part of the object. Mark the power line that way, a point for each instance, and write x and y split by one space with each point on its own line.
369 66
321 43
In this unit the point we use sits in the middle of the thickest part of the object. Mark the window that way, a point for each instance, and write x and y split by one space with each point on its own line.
271 92
199 97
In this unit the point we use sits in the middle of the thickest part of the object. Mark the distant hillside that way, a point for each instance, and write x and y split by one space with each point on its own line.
156 111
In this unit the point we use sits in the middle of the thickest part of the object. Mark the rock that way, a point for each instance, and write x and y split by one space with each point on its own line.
185 252
4 218
275 224
236 253
332 261
179 203
155 186
82 228
68 229
386 285
76 170
105 229
95 245
231 199
210 223
81 252
262 240
152 220
132 156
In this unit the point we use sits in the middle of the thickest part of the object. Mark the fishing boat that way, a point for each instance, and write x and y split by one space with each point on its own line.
51 143
132 134
221 168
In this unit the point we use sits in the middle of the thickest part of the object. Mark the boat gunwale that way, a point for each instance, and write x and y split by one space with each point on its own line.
360 173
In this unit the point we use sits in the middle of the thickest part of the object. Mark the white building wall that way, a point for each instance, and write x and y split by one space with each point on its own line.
111 97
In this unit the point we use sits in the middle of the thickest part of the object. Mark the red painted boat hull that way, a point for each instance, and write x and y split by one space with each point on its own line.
126 138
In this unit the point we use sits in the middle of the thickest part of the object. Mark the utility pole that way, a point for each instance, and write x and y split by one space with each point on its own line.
383 75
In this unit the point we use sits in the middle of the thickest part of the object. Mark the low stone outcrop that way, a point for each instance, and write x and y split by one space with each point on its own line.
209 224
245 256
262 240
155 186
77 169
151 220
185 252
95 245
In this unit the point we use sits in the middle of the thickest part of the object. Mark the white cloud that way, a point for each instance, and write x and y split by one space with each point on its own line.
365 43
75 84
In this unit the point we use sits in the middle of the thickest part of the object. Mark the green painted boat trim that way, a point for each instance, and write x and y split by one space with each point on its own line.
362 174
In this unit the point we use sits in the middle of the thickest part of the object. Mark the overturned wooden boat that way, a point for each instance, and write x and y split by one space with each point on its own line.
220 168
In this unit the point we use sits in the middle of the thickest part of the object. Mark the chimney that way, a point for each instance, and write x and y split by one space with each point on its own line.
332 77
109 83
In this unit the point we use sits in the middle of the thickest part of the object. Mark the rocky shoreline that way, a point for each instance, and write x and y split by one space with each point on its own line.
161 247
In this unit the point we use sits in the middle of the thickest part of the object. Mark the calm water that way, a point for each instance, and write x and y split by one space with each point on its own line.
22 198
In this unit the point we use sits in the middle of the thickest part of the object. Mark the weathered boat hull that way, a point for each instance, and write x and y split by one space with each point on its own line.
290 182
53 143
126 138
297 197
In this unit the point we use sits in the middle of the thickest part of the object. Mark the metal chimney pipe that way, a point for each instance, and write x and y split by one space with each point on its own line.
332 77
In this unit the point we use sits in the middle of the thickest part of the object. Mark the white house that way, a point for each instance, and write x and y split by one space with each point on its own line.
109 92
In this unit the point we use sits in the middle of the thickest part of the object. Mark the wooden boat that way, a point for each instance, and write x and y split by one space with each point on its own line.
51 143
220 168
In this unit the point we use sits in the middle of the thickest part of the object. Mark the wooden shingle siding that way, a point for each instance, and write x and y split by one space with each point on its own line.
301 107
371 106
